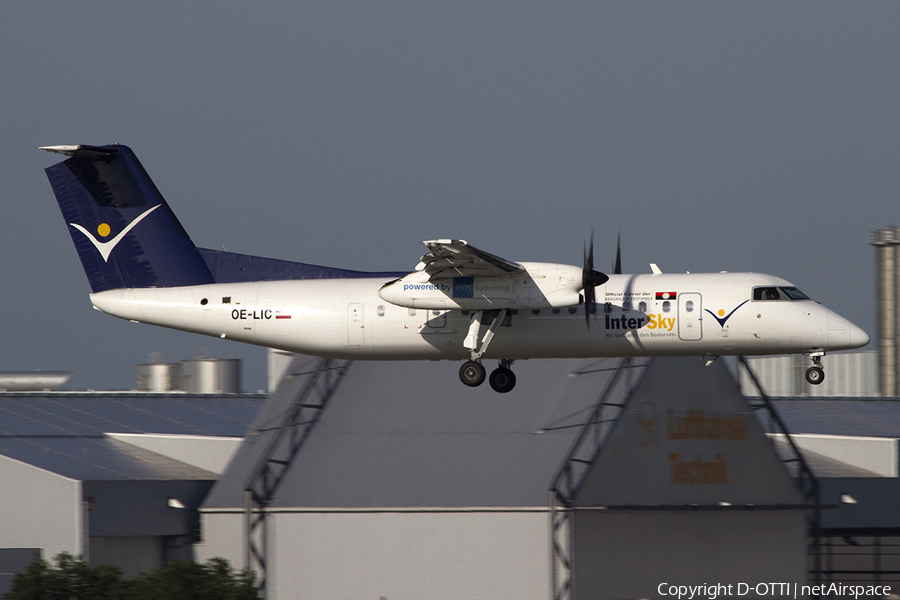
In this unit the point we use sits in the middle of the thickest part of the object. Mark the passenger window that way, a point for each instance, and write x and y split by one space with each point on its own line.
555 311
667 306
536 311
626 305
642 307
572 310
380 310
412 312
607 308
689 306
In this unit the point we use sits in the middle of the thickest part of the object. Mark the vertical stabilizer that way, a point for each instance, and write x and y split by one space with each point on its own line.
125 234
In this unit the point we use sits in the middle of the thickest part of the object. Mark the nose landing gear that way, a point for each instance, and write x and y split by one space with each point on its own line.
816 374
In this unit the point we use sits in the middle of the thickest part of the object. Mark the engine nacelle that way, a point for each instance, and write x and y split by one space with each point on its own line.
540 285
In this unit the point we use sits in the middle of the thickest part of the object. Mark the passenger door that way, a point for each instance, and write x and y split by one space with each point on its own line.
690 316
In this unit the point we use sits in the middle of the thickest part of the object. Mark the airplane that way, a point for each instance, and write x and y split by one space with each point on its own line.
459 303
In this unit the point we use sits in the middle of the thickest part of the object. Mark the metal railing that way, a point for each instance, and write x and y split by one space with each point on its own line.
797 466
571 474
311 390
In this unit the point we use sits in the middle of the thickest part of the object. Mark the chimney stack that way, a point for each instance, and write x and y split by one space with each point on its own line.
887 278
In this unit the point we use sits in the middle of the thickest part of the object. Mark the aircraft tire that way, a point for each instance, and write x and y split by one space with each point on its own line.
815 375
502 380
472 373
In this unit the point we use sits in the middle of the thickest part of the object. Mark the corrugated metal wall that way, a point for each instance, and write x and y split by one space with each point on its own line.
848 375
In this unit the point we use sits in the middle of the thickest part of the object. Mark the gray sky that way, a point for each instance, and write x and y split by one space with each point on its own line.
758 136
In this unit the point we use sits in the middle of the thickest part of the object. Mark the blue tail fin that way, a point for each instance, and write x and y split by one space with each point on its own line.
125 234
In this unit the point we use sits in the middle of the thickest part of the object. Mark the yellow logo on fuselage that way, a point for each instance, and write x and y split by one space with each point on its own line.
655 322
660 322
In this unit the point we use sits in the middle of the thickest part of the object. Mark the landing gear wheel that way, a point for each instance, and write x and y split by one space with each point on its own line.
472 373
815 375
502 380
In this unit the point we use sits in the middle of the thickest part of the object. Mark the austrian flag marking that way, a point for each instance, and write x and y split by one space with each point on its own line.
281 315
665 295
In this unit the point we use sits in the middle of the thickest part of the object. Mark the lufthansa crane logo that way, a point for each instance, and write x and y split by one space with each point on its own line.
103 230
647 423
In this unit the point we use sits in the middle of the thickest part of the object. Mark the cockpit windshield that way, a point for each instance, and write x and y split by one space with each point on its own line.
793 293
778 293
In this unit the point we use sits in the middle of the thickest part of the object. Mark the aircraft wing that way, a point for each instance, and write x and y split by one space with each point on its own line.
456 258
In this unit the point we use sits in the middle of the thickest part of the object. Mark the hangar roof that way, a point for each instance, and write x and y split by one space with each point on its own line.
399 434
396 436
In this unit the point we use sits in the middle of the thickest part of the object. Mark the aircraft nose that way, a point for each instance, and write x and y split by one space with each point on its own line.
842 334
858 337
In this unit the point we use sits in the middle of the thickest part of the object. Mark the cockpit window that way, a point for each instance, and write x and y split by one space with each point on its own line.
766 293
778 293
793 293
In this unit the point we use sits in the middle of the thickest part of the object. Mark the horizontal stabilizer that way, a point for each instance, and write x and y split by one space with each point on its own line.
82 151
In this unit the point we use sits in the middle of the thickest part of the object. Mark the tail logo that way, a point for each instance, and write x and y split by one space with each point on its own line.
106 248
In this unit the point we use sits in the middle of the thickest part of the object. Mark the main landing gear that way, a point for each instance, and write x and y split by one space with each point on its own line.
502 380
816 374
472 372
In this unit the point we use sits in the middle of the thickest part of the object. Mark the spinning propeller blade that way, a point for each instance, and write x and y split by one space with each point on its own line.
617 270
589 280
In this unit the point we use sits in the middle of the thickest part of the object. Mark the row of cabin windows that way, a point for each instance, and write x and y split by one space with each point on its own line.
760 293
642 306
666 306
379 310
438 318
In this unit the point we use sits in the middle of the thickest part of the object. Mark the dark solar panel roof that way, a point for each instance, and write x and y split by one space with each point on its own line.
65 433
97 459
69 415
874 418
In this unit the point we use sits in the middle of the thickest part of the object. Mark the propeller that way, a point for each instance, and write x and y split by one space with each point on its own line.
589 280
617 270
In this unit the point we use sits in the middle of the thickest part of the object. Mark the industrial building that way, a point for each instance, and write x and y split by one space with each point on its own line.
117 478
381 480
399 486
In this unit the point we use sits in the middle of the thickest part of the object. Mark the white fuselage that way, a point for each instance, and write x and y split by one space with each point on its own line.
704 314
